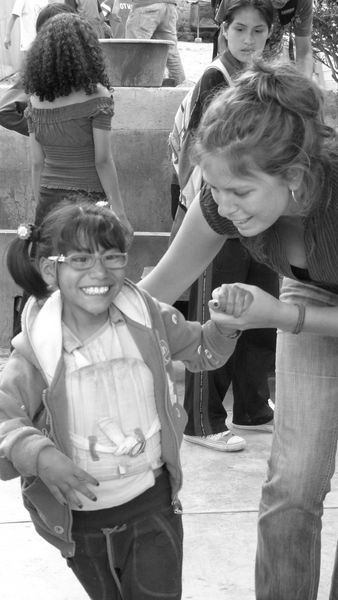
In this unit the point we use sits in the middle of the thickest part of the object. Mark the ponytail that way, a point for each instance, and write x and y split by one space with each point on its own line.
21 264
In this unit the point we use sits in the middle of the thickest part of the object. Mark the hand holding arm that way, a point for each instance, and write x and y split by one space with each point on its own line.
266 311
63 478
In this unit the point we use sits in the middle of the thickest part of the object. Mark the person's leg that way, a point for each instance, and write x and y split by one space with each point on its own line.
302 458
167 30
143 21
254 360
205 391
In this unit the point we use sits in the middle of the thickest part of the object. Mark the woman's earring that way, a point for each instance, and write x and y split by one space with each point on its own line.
294 196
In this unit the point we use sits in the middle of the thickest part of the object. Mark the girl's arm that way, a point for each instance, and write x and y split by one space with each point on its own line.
106 169
267 311
37 163
192 250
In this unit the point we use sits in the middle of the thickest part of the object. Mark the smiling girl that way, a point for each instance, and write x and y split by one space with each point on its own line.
89 414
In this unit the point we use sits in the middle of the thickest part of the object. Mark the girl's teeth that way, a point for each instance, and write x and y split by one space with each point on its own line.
96 291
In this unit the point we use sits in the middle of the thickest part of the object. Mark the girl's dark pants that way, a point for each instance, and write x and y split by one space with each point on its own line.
132 551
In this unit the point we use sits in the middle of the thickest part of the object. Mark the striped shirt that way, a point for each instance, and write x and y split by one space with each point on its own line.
320 236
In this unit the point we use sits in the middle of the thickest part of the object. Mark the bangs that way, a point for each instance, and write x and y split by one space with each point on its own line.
85 233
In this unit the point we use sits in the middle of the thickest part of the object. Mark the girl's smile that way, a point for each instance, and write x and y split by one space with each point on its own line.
88 286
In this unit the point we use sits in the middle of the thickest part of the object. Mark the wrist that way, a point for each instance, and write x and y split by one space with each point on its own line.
229 333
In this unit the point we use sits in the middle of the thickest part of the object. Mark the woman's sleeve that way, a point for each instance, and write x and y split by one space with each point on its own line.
102 114
209 209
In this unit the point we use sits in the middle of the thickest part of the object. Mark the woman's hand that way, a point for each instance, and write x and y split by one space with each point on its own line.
241 306
63 478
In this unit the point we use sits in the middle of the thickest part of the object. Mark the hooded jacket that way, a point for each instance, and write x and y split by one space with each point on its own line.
33 401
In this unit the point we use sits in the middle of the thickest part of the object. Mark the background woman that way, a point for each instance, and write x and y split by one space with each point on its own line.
69 115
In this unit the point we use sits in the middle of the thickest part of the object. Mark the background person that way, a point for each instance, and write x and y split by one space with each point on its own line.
13 101
270 164
157 20
69 115
91 11
293 17
247 28
89 415
26 12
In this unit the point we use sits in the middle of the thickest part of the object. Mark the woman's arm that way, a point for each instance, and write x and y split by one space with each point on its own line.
106 169
192 250
267 311
37 162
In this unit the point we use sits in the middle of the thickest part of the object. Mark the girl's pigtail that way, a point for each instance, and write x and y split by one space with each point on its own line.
21 264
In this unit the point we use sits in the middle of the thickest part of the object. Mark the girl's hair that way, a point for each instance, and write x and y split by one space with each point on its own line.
50 11
65 56
264 7
75 225
270 120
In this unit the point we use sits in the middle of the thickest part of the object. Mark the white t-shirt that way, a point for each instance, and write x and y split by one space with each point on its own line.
27 11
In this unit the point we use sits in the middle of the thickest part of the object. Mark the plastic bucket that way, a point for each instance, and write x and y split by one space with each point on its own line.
135 63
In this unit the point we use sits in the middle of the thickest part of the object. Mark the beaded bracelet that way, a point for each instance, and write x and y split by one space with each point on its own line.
301 318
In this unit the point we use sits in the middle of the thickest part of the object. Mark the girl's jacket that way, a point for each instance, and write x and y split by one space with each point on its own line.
33 403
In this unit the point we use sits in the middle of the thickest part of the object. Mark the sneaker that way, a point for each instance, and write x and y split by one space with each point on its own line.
224 441
267 427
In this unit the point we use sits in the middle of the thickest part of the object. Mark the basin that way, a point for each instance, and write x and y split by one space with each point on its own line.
135 63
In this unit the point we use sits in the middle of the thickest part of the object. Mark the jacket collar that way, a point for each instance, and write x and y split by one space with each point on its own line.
42 324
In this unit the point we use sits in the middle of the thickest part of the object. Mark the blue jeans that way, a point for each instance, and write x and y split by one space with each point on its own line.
133 551
158 21
302 460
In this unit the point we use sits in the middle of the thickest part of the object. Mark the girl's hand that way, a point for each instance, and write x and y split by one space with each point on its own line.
241 306
231 299
63 478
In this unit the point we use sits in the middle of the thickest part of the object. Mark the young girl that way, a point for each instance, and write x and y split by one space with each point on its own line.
89 416
247 26
271 168
69 115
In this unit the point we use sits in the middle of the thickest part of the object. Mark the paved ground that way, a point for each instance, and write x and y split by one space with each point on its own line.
220 498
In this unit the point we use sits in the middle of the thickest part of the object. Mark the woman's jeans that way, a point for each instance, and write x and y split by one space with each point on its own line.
132 551
158 21
302 460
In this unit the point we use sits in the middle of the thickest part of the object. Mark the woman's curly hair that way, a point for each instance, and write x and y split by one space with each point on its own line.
65 56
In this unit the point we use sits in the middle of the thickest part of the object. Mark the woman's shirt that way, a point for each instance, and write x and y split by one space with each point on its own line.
66 136
320 236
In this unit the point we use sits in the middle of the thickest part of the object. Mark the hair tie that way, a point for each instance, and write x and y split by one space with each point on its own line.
24 231
102 203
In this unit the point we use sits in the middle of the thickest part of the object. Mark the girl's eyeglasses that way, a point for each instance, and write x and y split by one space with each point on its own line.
83 261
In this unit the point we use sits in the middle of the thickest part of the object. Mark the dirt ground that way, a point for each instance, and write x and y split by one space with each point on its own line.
195 57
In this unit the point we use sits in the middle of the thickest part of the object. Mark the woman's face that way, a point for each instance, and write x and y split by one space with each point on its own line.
247 34
252 203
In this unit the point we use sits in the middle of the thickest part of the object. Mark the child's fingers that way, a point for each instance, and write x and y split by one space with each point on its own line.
231 299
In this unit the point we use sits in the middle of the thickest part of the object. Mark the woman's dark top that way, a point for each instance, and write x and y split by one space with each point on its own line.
320 236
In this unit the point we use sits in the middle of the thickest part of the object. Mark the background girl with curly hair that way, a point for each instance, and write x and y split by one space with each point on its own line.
69 115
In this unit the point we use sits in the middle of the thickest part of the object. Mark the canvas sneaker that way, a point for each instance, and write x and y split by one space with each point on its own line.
225 441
